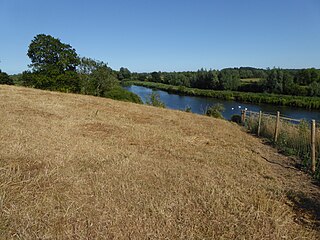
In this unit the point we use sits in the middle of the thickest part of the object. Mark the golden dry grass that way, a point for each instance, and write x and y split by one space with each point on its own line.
82 167
293 139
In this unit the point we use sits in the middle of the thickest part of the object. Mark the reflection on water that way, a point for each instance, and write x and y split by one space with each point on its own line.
200 104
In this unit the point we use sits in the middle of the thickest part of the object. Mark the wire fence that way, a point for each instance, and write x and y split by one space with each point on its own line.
291 136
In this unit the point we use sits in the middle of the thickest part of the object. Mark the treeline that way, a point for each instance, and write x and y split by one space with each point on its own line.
56 66
299 82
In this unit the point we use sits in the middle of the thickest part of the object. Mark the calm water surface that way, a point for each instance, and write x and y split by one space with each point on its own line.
200 104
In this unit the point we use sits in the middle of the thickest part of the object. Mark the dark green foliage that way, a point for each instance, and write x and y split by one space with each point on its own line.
103 81
156 77
205 79
53 64
49 54
5 78
278 81
119 93
236 118
66 82
96 78
250 72
124 73
215 111
16 79
154 100
229 79
307 76
314 89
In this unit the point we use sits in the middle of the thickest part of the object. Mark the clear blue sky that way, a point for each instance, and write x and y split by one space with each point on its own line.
167 35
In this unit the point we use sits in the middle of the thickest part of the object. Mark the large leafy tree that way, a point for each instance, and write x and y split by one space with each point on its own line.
53 63
50 55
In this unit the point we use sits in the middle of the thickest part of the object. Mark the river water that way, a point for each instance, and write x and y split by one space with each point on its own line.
200 104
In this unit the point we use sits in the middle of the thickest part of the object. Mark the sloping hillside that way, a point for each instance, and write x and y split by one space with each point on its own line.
82 167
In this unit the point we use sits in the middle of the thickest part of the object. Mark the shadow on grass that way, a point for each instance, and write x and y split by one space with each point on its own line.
306 203
306 207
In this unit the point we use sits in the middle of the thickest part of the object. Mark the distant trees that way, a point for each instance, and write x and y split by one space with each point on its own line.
314 89
282 81
156 77
307 76
250 72
205 79
5 78
274 81
300 82
124 73
229 79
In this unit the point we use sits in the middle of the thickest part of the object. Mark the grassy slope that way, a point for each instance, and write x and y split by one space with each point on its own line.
75 166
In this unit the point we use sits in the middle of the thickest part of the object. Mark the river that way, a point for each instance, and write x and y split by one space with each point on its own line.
200 104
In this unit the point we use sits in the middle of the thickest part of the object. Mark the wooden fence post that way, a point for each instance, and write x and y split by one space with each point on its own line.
313 146
276 131
259 123
243 116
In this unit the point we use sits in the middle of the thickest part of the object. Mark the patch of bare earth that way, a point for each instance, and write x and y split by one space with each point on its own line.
81 167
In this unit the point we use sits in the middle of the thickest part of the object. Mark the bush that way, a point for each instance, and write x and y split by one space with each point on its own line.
154 100
215 111
236 118
188 109
66 82
5 78
121 94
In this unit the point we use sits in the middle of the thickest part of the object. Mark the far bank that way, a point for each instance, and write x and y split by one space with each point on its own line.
245 97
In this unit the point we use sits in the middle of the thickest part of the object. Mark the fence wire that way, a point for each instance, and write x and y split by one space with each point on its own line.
294 136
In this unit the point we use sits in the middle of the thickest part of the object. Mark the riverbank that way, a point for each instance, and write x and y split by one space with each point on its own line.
248 97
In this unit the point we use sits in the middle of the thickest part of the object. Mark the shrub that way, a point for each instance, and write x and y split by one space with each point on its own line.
154 100
215 111
236 118
5 79
121 94
187 109
65 82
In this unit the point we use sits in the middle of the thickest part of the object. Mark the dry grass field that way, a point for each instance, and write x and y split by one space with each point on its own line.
82 167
